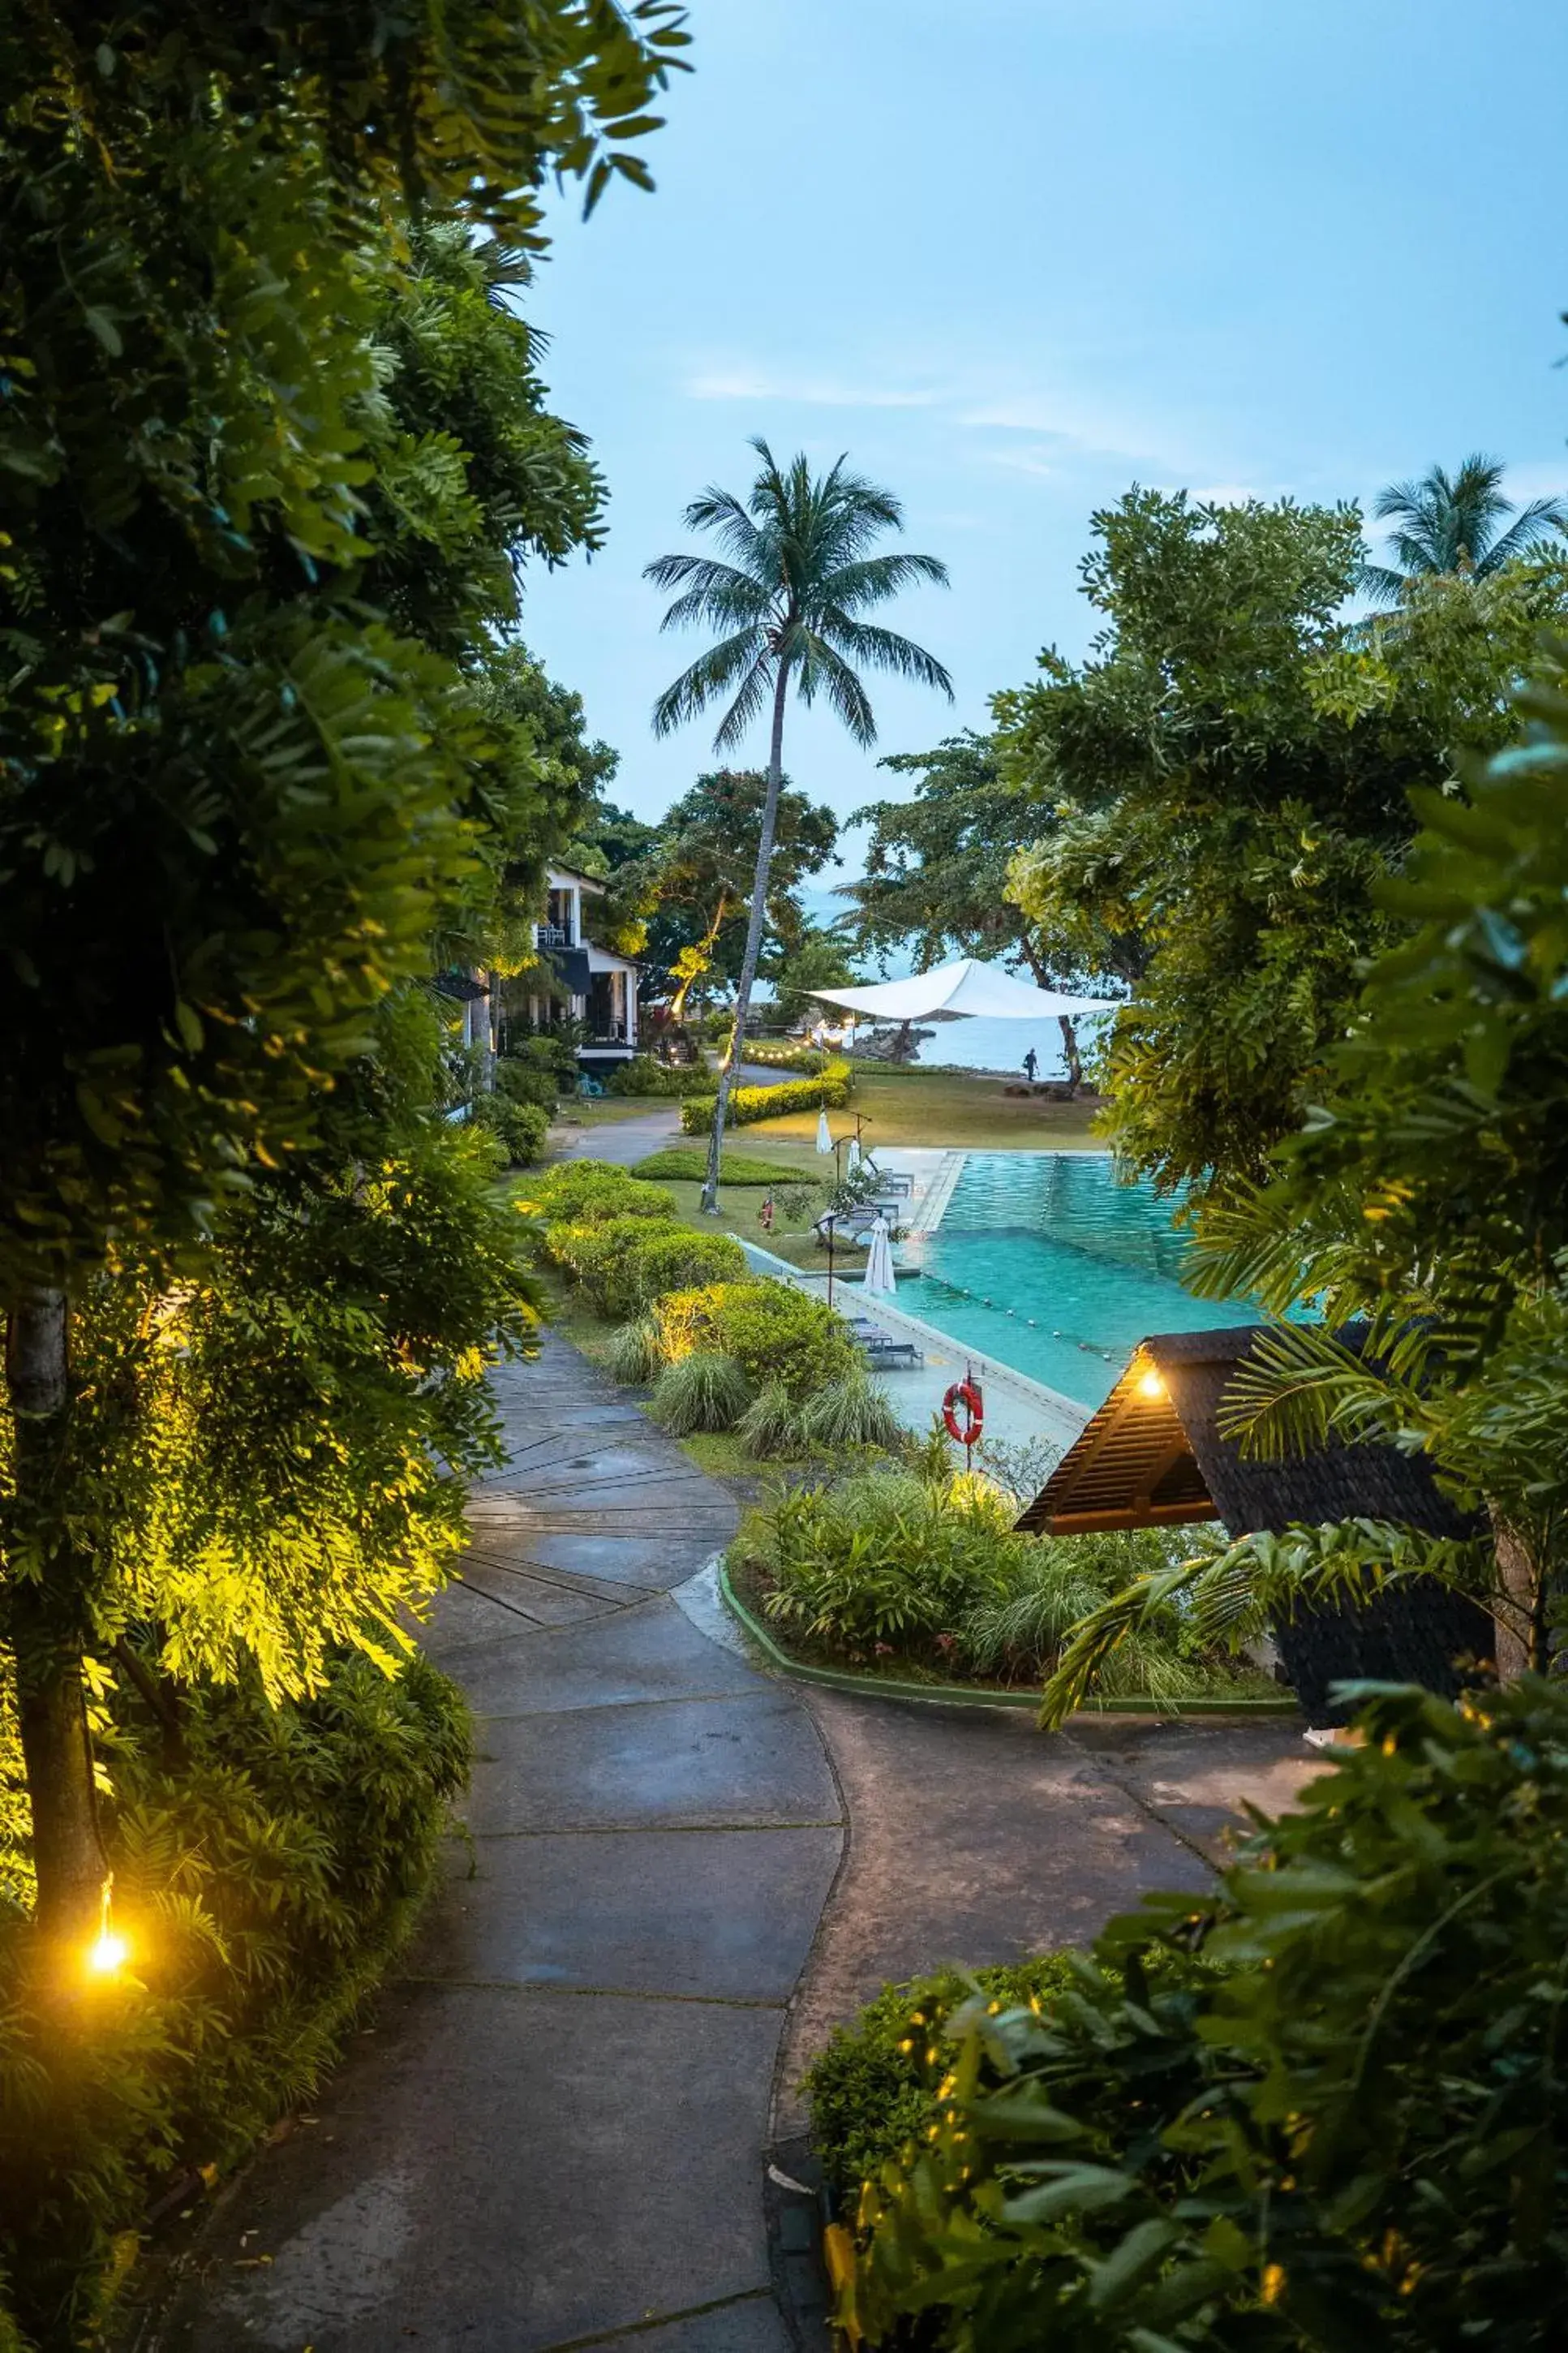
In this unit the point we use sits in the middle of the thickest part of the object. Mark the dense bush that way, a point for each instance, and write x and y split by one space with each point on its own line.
849 1412
1320 2109
522 1079
748 1104
520 1127
785 1054
924 1562
624 1265
700 1392
875 2090
264 1871
689 1162
644 1075
770 1328
578 1192
772 1425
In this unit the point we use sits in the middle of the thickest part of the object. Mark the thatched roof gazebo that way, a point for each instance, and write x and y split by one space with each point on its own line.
1154 1456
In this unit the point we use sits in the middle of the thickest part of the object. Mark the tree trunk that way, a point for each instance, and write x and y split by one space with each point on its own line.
1070 1054
1519 1624
754 948
45 1630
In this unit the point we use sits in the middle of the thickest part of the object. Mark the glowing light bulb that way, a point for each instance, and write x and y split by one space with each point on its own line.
1150 1385
108 1952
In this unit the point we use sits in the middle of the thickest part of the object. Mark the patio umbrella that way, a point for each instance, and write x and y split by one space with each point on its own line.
853 1160
879 1276
824 1133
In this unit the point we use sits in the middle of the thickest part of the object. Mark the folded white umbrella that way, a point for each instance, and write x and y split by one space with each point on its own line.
954 992
824 1133
852 1160
880 1273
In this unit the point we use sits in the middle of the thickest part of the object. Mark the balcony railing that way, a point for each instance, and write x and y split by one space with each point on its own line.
608 1033
555 935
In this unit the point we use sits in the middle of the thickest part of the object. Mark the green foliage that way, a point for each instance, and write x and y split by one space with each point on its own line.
1318 2108
684 1163
882 1557
786 1054
701 1391
770 1328
634 1355
772 1427
580 1192
263 1877
1020 1633
875 2090
851 1412
520 1127
643 1075
1449 523
748 1104
625 1264
1223 789
527 1078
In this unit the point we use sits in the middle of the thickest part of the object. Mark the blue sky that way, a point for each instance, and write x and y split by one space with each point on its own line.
1016 255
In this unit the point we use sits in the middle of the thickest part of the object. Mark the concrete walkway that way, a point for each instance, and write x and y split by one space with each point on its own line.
553 2132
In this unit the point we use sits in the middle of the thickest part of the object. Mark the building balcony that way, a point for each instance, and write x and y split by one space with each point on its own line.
553 935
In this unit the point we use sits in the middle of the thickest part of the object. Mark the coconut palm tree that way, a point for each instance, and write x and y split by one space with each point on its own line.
786 599
1450 525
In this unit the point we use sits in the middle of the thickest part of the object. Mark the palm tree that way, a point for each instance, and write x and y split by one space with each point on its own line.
786 604
1449 524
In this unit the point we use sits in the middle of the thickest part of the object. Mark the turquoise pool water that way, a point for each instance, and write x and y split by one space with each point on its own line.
1045 1262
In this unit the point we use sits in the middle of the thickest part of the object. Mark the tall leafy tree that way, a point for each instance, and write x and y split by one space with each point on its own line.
788 597
1453 524
235 799
1224 784
937 867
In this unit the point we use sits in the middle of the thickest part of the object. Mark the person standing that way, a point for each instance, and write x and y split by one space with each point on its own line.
1031 1061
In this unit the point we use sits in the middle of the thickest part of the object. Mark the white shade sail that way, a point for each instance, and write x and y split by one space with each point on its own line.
954 992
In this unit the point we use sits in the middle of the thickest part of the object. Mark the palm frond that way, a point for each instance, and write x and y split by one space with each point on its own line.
1533 526
711 675
719 512
819 669
870 579
710 592
1381 583
884 649
1302 1388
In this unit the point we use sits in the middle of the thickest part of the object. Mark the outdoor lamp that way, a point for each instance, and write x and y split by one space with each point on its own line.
1150 1384
108 1950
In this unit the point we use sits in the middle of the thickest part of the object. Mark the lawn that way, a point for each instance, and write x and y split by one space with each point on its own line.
943 1108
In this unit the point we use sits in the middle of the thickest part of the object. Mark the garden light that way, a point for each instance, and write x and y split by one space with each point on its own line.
108 1950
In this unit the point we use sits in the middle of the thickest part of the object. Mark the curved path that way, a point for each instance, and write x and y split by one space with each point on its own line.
553 2133
557 2130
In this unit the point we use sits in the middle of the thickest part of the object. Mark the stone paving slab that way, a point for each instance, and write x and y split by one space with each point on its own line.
752 2326
505 2172
650 1651
723 1914
649 1765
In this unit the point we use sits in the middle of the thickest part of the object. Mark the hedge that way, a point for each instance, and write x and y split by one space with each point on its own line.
518 1127
624 1264
768 1327
643 1075
749 1104
582 1192
265 1877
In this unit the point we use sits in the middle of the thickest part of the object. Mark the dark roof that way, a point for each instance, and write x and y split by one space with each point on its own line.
462 987
1154 1456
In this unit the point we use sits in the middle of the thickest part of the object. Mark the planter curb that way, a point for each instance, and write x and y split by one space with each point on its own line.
978 1695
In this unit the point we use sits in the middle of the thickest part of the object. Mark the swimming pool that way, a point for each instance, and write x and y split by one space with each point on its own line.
1045 1262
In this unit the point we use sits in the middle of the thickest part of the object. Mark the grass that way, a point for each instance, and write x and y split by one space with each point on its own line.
689 1163
955 1110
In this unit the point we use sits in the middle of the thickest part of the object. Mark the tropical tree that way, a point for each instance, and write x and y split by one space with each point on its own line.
788 597
1450 524
937 868
234 798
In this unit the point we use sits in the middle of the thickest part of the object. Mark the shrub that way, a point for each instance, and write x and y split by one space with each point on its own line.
643 1075
1320 2105
689 1162
545 1050
700 1392
633 1355
525 1081
264 1882
874 2091
749 1104
851 1412
1019 1630
518 1127
880 1558
579 1192
768 1327
624 1263
772 1426
785 1054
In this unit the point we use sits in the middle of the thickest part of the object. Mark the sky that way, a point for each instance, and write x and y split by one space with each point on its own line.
1014 255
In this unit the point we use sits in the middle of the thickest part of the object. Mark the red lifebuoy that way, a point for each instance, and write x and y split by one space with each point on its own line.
964 1393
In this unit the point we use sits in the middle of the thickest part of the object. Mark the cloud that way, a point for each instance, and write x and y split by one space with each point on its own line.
806 392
